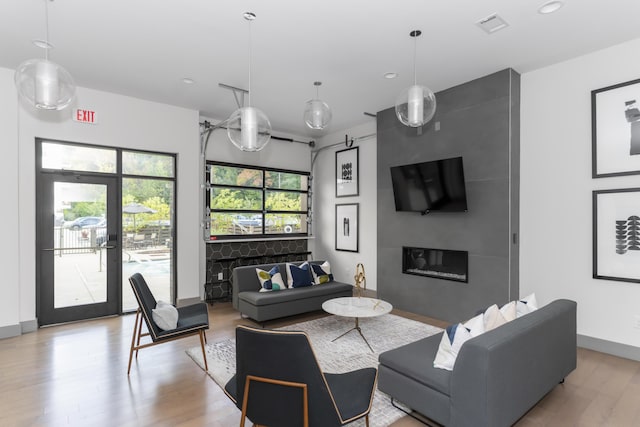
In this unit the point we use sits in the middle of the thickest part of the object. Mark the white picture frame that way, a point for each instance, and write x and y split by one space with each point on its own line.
347 227
347 171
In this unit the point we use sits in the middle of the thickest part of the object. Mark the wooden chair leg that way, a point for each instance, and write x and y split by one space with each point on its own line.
203 338
139 333
133 341
366 420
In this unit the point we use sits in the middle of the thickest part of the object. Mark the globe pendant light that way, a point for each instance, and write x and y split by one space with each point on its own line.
249 128
415 105
317 113
43 83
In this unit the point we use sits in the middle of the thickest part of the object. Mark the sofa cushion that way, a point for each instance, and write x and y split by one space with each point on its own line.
267 298
450 344
526 305
415 360
321 273
299 276
270 280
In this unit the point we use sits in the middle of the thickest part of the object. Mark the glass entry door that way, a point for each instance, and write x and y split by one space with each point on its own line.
78 265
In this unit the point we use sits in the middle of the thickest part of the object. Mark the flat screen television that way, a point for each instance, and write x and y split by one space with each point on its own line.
432 186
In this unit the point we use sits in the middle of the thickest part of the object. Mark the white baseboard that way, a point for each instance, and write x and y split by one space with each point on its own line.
609 347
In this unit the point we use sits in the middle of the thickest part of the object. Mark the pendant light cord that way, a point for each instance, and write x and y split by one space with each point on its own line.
250 62
46 35
415 44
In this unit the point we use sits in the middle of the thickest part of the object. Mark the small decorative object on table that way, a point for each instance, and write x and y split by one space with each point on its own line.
361 280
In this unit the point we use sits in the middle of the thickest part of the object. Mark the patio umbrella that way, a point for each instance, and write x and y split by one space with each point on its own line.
134 209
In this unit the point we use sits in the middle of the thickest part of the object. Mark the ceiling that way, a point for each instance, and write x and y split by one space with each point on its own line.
144 48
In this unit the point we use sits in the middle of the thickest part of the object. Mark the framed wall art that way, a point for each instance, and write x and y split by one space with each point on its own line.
616 234
347 172
347 224
615 130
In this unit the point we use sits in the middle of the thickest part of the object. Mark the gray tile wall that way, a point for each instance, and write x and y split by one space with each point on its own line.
224 257
479 121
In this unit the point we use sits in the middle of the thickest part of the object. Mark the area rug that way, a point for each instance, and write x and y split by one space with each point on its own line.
346 354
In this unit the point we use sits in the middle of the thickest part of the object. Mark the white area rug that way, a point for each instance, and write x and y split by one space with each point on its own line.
346 354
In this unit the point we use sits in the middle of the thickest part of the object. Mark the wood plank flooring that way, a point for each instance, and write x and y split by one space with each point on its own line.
76 374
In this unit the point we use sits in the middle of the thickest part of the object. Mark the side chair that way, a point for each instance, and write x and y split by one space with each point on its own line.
192 320
279 383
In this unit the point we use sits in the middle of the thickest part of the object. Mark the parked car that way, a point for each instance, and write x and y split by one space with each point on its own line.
86 222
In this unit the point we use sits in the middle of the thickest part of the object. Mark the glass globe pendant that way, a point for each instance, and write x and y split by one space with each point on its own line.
43 83
248 128
416 105
317 113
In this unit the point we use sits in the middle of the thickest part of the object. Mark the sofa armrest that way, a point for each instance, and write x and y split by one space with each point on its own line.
500 375
245 279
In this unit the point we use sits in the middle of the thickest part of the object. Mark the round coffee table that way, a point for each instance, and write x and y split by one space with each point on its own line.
356 307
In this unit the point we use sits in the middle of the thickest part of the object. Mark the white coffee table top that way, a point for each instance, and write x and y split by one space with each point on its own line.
356 307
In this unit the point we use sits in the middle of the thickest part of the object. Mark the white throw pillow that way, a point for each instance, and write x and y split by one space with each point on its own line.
475 325
452 339
526 305
509 311
165 316
493 318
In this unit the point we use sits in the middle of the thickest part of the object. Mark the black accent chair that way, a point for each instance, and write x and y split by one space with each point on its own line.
192 320
279 383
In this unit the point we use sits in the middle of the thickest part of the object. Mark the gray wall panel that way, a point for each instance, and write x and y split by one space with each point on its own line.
478 121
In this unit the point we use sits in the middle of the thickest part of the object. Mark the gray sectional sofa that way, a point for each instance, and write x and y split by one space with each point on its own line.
263 306
498 376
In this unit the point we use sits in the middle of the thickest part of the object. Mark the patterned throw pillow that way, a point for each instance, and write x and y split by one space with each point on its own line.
321 273
270 280
452 339
299 276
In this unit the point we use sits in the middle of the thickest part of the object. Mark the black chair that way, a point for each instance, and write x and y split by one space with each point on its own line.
279 383
192 320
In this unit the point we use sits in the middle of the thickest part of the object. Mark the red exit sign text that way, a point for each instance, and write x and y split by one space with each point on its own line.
85 116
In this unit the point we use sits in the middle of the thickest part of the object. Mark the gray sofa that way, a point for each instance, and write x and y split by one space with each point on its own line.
263 306
498 376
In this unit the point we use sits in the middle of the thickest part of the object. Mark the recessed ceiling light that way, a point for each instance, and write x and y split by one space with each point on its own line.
390 75
42 44
550 7
188 81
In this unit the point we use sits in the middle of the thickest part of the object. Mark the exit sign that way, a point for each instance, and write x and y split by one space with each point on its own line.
85 116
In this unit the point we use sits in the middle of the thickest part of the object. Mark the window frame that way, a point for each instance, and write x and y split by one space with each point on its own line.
263 211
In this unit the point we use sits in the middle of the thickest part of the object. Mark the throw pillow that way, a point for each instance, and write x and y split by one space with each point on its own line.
165 316
509 311
270 280
475 325
299 276
493 318
321 273
452 339
526 305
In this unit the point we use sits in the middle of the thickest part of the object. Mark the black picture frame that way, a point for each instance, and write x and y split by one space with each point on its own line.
615 130
616 235
347 172
347 227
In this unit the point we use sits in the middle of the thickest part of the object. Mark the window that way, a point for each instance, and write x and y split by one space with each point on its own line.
250 201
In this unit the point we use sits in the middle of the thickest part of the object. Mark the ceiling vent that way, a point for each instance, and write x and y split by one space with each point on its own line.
492 23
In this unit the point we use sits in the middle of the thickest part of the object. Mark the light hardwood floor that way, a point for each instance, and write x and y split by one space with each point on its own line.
75 374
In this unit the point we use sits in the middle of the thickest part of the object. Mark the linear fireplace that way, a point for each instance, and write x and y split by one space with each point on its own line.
440 263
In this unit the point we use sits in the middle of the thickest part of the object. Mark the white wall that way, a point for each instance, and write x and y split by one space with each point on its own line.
123 122
343 264
9 215
556 189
